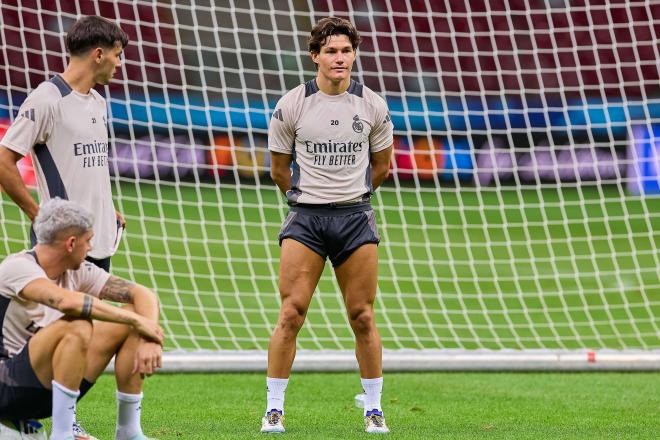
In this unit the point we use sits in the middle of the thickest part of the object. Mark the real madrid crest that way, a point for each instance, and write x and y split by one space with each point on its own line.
357 124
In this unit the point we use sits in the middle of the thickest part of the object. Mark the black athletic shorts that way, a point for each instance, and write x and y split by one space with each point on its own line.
103 263
334 232
22 396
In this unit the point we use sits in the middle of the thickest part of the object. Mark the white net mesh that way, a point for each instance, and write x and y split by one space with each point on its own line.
520 212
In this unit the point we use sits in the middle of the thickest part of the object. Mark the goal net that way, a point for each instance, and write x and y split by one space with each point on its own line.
521 216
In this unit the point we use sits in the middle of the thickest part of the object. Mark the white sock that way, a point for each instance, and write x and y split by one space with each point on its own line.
129 408
64 409
275 389
373 388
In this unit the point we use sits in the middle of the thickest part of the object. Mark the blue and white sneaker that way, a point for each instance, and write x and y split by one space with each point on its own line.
374 422
79 432
22 429
273 421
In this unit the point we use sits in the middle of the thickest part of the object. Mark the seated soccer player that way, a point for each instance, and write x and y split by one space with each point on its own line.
58 335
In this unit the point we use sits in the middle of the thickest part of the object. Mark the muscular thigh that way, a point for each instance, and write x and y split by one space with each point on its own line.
358 277
107 337
42 347
106 341
300 270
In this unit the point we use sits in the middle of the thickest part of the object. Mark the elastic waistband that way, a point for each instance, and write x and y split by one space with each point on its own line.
330 209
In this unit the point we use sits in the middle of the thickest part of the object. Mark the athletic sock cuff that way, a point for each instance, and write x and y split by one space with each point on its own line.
65 390
278 380
125 397
372 381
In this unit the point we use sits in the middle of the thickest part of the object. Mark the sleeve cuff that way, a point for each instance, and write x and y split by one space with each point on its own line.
280 149
14 148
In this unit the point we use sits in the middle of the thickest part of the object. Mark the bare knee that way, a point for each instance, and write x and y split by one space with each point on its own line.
78 333
109 337
292 317
362 320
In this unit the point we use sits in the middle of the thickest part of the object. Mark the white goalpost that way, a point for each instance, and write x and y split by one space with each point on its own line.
521 222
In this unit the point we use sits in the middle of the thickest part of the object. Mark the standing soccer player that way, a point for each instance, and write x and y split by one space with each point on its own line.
56 326
337 133
63 124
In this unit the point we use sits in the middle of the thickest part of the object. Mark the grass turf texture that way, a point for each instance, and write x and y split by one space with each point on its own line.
417 406
505 268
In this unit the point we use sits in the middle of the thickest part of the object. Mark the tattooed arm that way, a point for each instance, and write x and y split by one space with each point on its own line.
144 301
81 305
118 290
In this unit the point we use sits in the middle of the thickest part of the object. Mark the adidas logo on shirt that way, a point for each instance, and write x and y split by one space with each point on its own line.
29 114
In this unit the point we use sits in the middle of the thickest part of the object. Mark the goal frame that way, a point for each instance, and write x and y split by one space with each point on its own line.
421 360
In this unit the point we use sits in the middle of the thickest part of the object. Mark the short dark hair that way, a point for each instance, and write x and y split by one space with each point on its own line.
326 27
93 31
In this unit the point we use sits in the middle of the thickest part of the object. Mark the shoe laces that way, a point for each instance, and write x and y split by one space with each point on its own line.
274 417
78 430
374 417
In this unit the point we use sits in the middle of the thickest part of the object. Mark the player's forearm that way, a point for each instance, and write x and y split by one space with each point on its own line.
380 167
281 175
77 304
81 305
144 301
379 175
283 182
86 306
12 183
280 170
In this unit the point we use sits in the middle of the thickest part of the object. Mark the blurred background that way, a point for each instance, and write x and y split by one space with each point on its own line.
458 77
521 211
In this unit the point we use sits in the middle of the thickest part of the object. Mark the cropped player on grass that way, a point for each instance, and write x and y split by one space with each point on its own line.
336 135
63 124
56 328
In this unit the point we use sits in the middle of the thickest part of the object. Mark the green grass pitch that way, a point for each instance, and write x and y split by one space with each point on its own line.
575 268
496 268
417 406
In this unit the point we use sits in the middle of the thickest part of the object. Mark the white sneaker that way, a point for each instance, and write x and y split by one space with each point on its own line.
79 432
273 421
374 422
359 400
22 429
